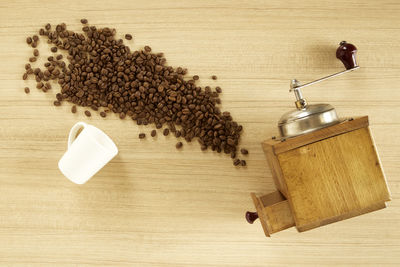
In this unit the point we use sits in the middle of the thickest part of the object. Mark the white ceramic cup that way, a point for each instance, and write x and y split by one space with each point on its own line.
87 153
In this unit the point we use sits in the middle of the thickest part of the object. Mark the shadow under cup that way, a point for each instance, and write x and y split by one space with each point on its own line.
87 154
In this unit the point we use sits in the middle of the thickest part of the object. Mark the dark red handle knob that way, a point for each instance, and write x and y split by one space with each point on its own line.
251 216
347 54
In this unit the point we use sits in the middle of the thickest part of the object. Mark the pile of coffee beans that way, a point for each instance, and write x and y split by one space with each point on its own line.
103 74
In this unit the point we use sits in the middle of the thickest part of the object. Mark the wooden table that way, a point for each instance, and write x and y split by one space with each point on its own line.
156 206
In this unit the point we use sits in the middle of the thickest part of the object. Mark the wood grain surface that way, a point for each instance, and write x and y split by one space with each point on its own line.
156 206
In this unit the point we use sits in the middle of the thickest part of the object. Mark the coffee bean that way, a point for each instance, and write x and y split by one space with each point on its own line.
25 76
39 85
28 66
35 38
57 103
142 135
236 162
196 77
73 109
244 151
128 36
153 133
28 40
243 162
36 52
48 26
53 49
34 44
59 57
84 21
27 90
166 132
87 113
233 154
179 145
147 48
47 85
41 32
103 114
218 89
32 59
214 77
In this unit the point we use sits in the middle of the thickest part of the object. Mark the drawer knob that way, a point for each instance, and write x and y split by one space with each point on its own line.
251 217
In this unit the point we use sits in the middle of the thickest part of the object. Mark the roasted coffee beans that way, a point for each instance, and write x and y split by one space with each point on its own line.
103 74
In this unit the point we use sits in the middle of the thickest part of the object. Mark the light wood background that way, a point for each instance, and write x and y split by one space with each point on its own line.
156 206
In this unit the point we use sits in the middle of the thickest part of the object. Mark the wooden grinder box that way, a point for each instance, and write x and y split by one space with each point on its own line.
322 177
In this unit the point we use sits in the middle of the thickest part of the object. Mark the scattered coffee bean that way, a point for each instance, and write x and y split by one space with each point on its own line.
73 109
236 162
35 38
103 114
122 115
41 31
59 57
84 21
57 103
47 85
233 154
179 145
29 40
36 52
243 162
28 66
166 132
48 26
32 59
27 90
87 113
147 48
218 89
128 36
25 76
244 151
53 49
34 44
142 135
153 133
196 77
214 77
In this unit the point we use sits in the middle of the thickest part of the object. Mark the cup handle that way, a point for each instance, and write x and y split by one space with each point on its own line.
74 130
